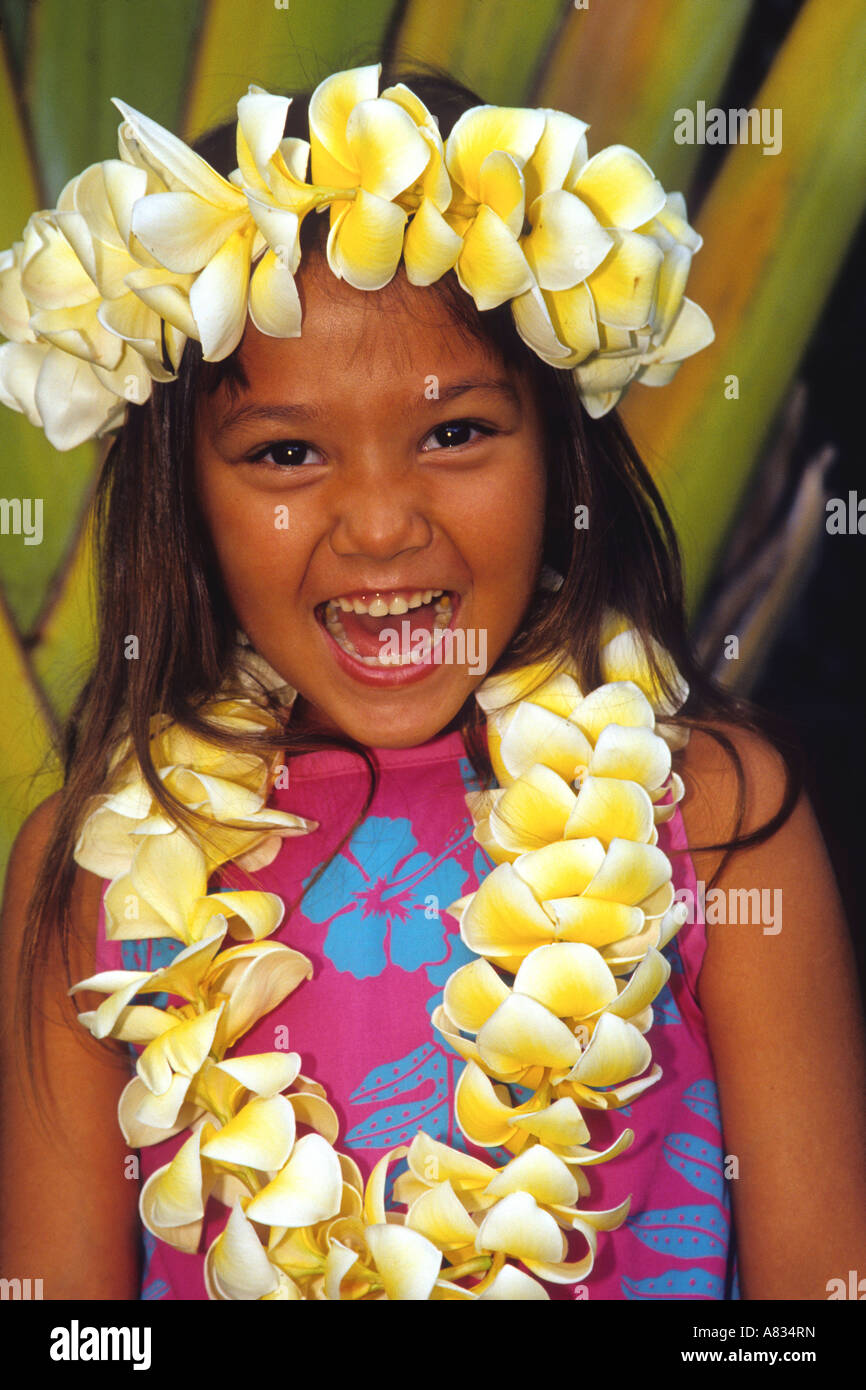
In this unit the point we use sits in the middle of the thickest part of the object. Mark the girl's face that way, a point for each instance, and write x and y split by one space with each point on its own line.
377 458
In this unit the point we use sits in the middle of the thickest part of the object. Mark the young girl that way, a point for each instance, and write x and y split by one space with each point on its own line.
326 556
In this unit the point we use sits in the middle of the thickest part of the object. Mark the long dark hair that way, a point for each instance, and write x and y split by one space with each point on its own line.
158 577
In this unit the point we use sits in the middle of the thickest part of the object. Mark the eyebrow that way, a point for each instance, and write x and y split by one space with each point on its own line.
282 410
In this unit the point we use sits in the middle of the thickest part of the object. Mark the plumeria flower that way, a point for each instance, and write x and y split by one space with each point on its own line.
210 780
58 393
254 1151
567 1029
294 1261
617 900
94 215
568 779
462 1205
565 1018
14 308
485 155
378 148
224 995
58 390
623 656
592 266
200 227
272 174
165 895
431 246
72 265
623 315
640 356
237 1266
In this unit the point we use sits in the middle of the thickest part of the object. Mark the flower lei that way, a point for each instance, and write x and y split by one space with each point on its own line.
568 930
145 251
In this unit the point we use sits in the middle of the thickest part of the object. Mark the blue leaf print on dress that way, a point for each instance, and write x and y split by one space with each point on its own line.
702 1099
380 881
425 1067
665 1008
688 1233
674 1283
430 1066
151 953
698 1160
151 1288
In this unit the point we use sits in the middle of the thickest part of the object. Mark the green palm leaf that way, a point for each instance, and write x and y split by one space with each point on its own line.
775 232
27 772
497 59
31 468
627 65
278 47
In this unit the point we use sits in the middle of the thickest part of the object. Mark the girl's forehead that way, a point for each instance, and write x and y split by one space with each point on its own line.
364 340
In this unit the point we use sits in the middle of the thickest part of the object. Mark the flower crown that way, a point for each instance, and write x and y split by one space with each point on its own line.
145 251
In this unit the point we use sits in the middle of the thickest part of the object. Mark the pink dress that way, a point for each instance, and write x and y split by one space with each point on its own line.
382 947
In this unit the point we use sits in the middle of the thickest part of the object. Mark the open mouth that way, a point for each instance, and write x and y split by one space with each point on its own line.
400 627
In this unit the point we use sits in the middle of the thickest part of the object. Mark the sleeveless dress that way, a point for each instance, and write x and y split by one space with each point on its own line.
382 946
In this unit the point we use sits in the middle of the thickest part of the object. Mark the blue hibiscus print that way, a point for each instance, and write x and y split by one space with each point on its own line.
382 899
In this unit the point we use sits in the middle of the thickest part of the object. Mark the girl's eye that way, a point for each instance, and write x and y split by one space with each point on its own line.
454 433
288 453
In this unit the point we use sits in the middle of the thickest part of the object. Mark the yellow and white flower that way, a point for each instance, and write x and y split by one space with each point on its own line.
147 250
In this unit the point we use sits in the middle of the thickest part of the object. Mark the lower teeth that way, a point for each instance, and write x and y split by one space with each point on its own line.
335 628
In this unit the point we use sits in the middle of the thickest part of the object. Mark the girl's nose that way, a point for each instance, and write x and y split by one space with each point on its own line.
379 514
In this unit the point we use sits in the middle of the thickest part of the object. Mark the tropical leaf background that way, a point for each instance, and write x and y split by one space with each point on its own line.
746 469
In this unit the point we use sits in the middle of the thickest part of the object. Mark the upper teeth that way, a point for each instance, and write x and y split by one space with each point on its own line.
379 606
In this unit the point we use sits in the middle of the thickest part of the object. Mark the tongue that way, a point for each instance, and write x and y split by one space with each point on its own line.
365 632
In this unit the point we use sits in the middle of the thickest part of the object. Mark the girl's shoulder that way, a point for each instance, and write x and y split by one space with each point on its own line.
61 1151
778 989
725 766
26 858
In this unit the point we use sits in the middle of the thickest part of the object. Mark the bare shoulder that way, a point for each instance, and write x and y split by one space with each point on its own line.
68 1208
778 989
25 862
32 839
714 783
741 769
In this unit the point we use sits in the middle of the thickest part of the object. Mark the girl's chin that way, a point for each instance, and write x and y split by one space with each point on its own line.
406 724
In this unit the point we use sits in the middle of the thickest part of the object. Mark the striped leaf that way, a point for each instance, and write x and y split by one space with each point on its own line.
30 468
627 65
66 635
14 25
281 46
497 56
20 195
27 771
84 52
776 229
